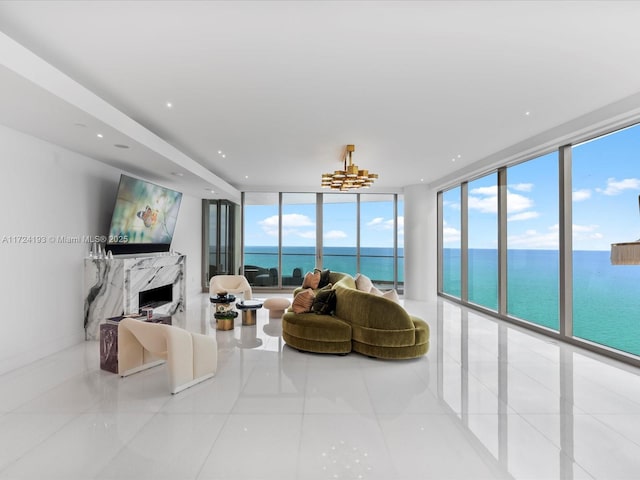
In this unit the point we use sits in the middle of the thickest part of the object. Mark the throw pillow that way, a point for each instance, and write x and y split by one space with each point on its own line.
391 295
363 283
303 301
324 277
311 280
325 302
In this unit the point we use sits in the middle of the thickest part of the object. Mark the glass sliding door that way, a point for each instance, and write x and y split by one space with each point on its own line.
261 227
298 237
533 241
483 241
219 239
606 184
451 242
340 232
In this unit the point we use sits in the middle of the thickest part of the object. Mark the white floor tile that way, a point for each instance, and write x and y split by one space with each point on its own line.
489 401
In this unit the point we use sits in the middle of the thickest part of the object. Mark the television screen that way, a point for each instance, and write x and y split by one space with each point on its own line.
144 217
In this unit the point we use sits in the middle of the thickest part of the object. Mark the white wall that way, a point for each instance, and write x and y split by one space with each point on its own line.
187 239
420 243
47 191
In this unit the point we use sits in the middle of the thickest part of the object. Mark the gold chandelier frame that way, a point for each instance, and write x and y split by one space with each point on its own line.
351 177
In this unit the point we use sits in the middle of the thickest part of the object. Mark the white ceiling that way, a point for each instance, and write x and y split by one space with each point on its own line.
282 87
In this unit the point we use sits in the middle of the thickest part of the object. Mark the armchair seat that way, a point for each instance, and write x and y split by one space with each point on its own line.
230 284
191 357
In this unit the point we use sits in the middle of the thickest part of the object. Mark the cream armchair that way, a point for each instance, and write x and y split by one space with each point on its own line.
191 357
230 284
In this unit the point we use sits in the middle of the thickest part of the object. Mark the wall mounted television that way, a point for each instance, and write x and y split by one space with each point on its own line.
144 217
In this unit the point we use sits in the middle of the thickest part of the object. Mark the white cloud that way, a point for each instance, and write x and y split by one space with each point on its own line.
581 195
450 234
585 228
291 224
376 221
333 234
522 187
485 200
617 187
523 216
534 239
517 202
491 191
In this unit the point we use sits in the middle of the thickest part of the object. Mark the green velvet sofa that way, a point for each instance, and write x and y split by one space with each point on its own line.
362 322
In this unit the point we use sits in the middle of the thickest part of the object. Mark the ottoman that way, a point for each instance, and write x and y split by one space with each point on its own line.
276 306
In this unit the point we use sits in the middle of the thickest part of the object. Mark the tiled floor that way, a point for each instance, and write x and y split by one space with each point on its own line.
488 401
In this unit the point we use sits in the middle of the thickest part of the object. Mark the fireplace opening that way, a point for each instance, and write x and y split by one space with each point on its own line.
155 297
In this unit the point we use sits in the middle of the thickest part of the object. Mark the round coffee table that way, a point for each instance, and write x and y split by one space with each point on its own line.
248 309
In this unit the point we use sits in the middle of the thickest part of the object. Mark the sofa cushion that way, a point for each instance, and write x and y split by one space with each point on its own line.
325 302
303 301
325 277
311 280
363 283
389 294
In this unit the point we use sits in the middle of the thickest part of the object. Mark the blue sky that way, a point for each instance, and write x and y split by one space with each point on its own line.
605 187
339 230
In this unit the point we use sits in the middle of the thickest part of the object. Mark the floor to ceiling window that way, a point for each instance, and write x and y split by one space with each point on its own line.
357 232
377 260
483 241
532 241
451 266
298 236
606 184
261 227
339 232
545 260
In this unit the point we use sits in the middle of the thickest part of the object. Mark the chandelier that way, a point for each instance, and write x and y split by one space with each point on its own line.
351 177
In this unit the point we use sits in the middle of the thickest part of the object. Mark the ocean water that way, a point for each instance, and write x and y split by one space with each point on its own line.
606 298
376 263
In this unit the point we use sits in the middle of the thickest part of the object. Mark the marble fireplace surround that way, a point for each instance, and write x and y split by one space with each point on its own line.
112 287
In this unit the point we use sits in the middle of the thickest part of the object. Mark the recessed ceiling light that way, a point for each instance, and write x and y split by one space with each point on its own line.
219 152
100 135
177 174
459 156
422 179
210 190
246 176
527 113
453 159
121 145
169 104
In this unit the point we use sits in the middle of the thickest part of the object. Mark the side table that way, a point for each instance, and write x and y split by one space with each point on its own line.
109 340
224 312
248 309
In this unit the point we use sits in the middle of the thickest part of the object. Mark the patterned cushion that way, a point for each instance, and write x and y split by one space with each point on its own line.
311 280
303 301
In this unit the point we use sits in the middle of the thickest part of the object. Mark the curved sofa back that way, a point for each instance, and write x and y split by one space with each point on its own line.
343 279
368 310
